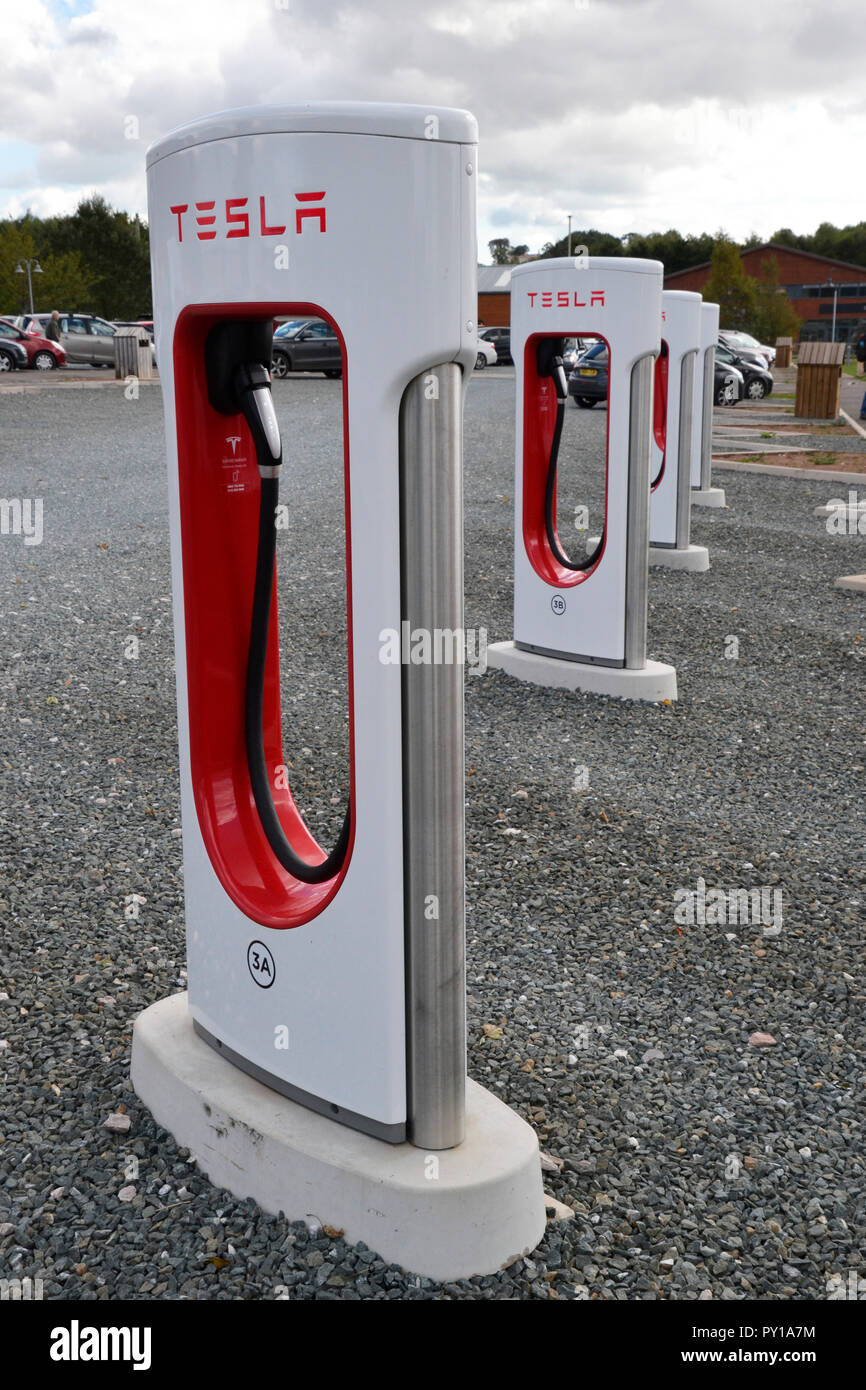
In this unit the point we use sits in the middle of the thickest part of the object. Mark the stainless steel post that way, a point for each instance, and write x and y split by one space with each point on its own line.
431 528
684 449
637 520
707 417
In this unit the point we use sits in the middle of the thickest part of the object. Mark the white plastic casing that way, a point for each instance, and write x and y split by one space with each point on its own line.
395 266
618 299
681 330
704 399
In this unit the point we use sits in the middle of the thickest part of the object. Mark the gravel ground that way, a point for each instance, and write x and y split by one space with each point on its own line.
696 1162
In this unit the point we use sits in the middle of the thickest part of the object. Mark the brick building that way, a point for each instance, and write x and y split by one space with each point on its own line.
494 295
804 277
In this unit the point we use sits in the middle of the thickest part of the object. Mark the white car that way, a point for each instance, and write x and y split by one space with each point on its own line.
733 338
486 355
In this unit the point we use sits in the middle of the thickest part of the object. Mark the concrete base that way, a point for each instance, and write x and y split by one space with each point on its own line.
857 582
654 682
708 497
695 558
448 1215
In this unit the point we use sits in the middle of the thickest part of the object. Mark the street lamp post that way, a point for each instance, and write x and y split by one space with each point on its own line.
569 234
36 270
835 288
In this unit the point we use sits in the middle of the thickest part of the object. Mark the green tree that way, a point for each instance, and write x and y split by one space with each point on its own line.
735 292
774 316
114 248
503 253
596 243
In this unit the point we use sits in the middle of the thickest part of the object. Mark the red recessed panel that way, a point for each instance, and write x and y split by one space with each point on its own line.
660 407
539 422
219 513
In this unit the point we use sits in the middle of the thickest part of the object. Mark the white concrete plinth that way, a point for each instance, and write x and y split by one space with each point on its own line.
448 1215
694 557
708 497
857 582
655 681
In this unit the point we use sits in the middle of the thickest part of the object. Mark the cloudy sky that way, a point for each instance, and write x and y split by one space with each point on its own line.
632 115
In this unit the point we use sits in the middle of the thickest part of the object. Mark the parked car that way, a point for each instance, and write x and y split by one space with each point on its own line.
28 322
42 354
86 338
309 345
746 346
501 340
486 355
757 381
572 350
12 355
588 382
728 384
282 330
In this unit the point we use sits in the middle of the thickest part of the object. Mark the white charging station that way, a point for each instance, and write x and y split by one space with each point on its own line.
582 626
323 1048
703 492
674 395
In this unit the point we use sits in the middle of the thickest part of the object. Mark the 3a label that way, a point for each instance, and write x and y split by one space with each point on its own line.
261 964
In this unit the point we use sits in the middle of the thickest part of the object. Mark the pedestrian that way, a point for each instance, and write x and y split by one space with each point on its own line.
52 327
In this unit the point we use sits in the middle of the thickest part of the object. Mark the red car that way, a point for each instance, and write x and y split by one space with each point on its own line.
42 353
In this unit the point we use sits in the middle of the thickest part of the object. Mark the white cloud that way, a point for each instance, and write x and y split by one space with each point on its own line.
629 114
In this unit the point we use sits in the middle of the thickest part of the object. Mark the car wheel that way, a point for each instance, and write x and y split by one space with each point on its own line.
45 362
334 373
7 362
585 402
756 390
480 362
280 366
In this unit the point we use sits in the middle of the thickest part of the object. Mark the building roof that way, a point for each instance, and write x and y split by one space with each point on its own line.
494 279
770 246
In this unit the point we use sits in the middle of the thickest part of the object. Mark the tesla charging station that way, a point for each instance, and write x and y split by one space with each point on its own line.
703 492
321 1052
673 410
582 625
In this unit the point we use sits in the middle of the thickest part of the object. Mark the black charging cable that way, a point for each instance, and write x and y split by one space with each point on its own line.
550 364
252 383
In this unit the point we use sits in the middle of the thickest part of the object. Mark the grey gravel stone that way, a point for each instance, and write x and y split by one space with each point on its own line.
571 936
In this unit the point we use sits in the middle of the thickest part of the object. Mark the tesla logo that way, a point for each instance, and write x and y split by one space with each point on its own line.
236 217
563 299
234 440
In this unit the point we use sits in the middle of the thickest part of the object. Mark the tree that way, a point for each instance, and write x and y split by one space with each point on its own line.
96 259
503 253
774 314
735 292
596 243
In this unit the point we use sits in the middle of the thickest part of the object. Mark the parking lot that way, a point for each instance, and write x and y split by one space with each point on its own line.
695 1160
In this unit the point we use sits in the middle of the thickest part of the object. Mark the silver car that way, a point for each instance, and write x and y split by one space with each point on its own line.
86 338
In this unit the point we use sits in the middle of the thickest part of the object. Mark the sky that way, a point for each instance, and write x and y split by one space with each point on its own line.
630 115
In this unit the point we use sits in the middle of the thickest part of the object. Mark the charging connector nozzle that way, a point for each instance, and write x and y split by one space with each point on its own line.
252 383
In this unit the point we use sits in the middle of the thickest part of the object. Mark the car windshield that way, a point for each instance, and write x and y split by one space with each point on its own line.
745 338
287 330
596 350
